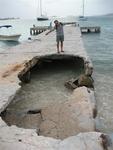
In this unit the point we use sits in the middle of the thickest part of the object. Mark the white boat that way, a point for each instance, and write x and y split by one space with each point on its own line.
42 17
83 18
13 37
9 37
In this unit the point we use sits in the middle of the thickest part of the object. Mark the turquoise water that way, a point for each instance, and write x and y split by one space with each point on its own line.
100 50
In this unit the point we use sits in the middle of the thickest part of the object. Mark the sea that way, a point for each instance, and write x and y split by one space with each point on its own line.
100 49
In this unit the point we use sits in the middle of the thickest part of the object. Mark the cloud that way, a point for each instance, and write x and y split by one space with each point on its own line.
17 8
29 8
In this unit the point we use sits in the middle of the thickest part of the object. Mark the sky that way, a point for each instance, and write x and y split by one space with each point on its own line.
30 8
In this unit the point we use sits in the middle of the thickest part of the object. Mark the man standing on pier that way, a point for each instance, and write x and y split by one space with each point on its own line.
59 34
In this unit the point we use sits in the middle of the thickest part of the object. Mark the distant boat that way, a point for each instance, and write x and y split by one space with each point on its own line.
6 26
83 18
9 37
42 17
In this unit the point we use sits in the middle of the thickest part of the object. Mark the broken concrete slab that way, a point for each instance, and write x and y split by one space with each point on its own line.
69 118
17 138
7 93
12 138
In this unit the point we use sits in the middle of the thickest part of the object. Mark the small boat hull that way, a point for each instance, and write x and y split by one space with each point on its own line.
42 18
82 18
14 37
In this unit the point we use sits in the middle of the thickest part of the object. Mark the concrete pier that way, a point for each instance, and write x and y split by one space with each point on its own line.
13 60
38 30
90 29
73 117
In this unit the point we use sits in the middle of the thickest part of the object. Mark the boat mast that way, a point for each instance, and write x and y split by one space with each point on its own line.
41 7
83 9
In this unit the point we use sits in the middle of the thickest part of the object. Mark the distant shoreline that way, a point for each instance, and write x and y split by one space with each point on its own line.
9 18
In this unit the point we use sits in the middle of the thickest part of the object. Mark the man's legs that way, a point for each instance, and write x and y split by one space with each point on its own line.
58 47
62 46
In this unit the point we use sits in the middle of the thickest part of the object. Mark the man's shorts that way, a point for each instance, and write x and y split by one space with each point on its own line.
60 38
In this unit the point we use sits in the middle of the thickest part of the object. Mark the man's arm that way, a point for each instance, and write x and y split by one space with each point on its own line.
50 31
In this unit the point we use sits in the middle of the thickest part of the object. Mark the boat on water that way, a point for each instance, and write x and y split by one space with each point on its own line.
13 37
83 18
9 37
42 17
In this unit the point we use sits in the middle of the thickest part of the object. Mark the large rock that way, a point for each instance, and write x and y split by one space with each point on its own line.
69 118
82 80
85 80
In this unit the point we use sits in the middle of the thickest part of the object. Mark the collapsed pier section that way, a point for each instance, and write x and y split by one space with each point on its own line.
79 108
